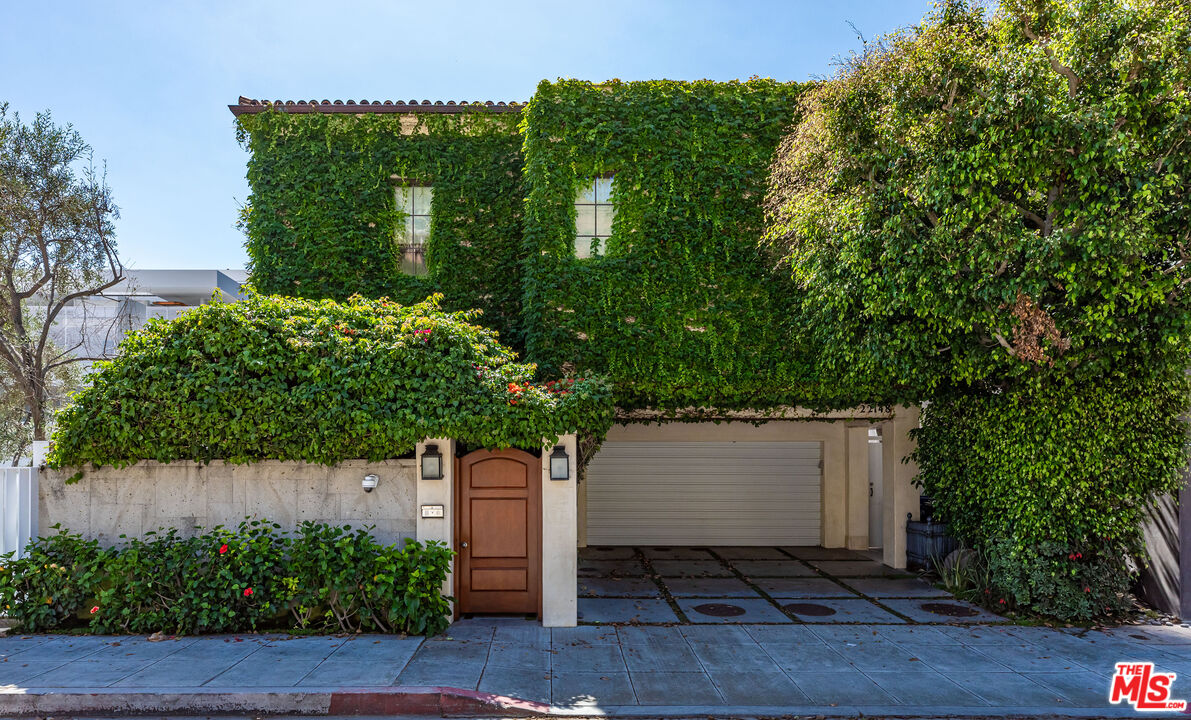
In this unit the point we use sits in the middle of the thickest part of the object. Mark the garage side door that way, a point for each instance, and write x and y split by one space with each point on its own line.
704 493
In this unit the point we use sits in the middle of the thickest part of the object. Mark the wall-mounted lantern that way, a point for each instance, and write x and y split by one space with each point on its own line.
560 464
431 463
370 482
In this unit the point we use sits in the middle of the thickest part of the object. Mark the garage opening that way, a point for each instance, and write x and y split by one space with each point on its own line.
705 494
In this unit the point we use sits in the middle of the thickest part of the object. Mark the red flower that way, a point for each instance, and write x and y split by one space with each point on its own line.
247 592
94 609
222 549
1002 601
1087 589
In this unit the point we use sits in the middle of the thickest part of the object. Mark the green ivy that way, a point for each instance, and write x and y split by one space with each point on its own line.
681 309
322 216
1052 482
252 577
315 381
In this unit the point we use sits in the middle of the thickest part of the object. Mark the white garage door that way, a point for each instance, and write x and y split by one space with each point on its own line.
704 493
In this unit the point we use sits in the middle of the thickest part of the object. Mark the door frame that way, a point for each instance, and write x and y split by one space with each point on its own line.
533 464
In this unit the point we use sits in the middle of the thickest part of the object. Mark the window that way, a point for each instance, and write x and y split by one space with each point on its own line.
414 201
593 217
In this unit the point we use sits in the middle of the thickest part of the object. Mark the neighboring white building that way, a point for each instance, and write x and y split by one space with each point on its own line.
95 326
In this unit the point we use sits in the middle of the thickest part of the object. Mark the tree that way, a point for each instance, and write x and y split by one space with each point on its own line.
991 211
995 195
57 251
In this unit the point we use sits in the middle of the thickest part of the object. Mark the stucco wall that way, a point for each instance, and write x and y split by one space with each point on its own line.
134 500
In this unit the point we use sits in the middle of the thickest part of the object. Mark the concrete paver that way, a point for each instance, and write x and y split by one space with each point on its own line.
743 610
674 688
625 610
591 689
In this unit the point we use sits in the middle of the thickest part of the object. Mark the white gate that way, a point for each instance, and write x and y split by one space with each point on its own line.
18 508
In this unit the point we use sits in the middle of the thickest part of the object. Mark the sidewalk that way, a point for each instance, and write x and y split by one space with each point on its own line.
686 670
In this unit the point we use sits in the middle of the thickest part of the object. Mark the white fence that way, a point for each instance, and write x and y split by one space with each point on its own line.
18 508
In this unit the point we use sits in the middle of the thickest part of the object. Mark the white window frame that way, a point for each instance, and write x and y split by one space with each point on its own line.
415 228
594 214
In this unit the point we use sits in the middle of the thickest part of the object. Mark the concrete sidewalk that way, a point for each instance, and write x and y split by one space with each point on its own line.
904 670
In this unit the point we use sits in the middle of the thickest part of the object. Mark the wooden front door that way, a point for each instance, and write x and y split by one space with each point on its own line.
499 532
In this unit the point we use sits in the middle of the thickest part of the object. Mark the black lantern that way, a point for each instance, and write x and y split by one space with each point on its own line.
431 463
560 464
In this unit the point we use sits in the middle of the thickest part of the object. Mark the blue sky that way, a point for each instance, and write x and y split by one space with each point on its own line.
148 83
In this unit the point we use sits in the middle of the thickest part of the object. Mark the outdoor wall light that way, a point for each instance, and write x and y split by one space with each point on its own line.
431 463
560 464
370 482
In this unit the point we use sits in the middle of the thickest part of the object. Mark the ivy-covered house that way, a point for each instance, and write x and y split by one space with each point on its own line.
602 229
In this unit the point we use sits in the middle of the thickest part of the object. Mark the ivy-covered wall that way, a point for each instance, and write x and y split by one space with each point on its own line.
322 215
682 309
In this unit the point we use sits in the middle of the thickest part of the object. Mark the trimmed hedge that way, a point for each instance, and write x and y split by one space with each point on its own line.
323 578
317 381
1052 483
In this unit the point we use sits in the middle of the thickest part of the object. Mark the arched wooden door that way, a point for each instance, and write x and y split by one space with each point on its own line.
498 532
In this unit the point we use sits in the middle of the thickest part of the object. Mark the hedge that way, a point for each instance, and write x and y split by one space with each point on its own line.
322 578
316 381
1052 483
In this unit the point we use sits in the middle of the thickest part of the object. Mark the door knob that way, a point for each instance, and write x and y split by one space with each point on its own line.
463 544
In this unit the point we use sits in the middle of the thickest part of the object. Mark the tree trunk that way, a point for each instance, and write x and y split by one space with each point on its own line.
36 400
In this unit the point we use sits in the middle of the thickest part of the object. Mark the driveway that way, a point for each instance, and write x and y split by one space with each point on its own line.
716 669
743 585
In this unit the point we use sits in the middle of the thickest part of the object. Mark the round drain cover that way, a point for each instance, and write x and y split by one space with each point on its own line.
809 609
719 610
949 609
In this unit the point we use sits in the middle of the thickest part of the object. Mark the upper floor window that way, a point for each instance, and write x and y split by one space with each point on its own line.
593 217
414 201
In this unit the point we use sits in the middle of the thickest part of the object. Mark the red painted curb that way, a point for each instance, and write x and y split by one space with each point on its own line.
433 701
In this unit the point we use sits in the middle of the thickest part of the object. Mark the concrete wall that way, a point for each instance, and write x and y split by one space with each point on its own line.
900 495
134 500
560 554
438 492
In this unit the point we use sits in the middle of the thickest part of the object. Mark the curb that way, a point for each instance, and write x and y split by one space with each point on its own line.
399 700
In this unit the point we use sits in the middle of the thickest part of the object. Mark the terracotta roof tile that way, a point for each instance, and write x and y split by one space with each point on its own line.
250 106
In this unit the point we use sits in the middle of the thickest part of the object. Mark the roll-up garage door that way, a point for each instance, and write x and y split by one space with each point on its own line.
704 493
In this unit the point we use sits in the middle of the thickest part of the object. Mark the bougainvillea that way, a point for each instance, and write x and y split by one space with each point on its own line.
319 381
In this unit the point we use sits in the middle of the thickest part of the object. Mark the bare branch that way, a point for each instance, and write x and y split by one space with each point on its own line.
1073 81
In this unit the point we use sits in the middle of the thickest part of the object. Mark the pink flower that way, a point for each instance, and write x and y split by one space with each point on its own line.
94 609
247 592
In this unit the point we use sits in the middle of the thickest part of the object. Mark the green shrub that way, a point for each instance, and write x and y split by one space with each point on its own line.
1058 581
1051 484
317 381
340 580
52 585
324 578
